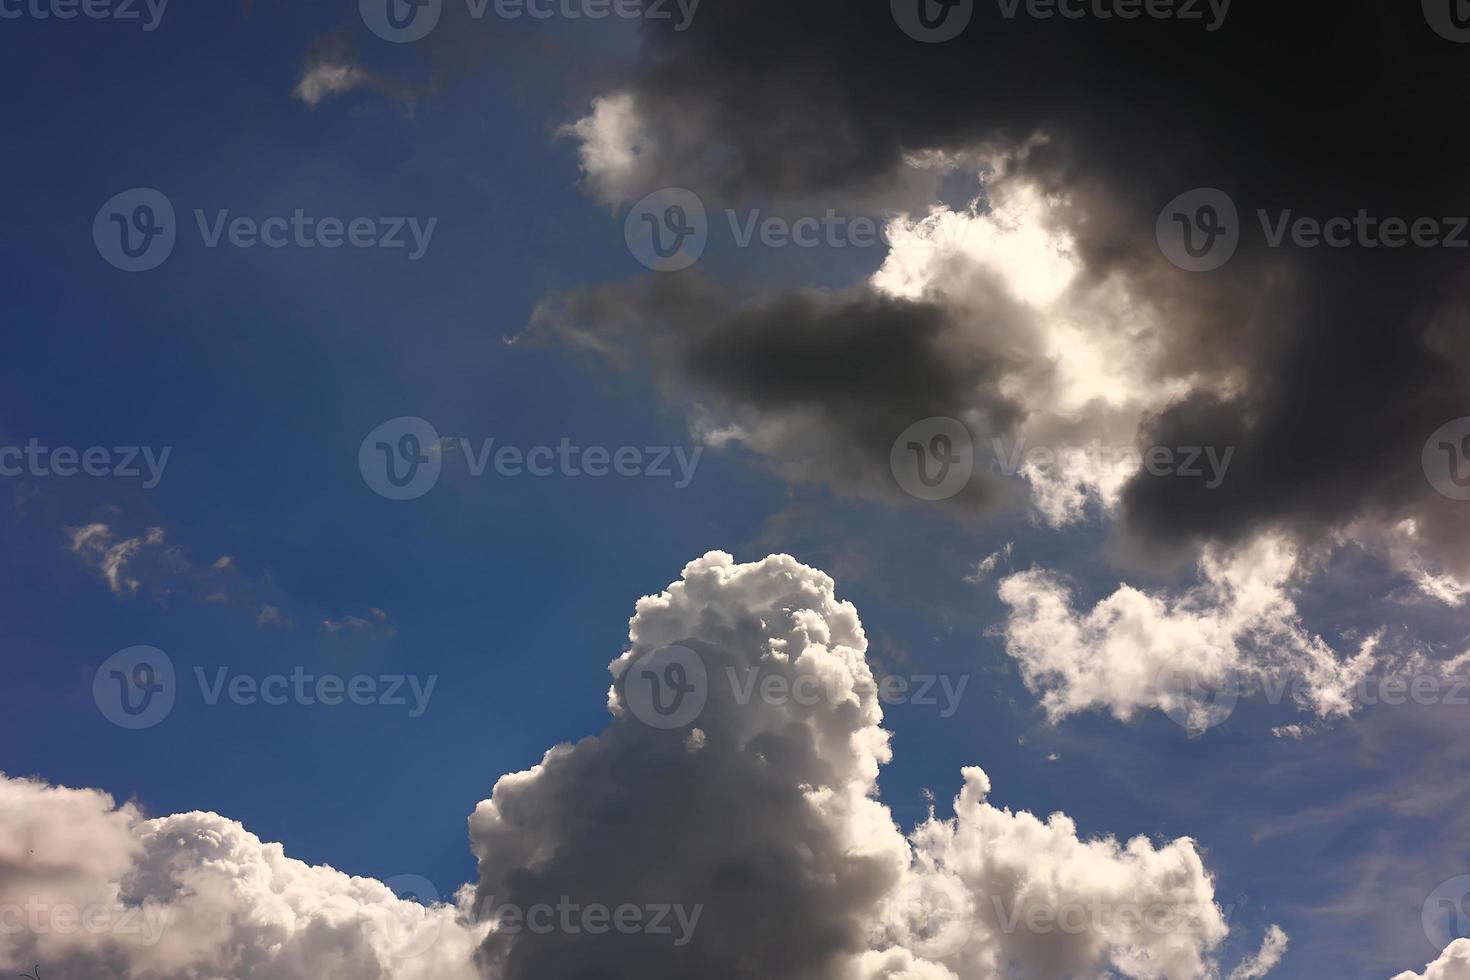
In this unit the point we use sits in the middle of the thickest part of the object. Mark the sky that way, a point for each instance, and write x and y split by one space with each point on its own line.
930 490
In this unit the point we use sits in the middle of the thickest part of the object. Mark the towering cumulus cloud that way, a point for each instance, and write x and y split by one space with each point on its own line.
745 840
1453 964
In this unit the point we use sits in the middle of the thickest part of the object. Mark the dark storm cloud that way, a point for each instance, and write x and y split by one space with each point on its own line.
1349 357
821 382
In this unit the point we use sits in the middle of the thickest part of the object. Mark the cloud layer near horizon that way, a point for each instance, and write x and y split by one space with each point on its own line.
764 814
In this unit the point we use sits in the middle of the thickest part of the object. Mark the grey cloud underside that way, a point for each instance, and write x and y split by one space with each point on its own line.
827 378
1348 358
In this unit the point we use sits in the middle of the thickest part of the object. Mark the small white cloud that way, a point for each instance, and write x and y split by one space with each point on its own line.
271 616
380 621
986 565
96 546
1273 947
1239 624
327 78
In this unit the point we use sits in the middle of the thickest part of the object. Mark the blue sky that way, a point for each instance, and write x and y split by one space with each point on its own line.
263 371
